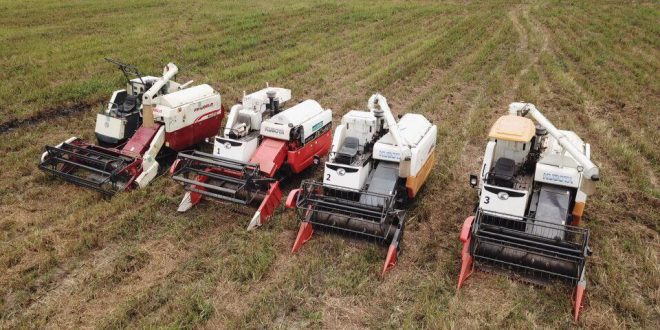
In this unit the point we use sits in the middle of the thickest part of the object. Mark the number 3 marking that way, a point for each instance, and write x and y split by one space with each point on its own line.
487 200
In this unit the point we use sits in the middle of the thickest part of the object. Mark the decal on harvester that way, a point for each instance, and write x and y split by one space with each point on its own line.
389 155
202 107
317 126
557 178
316 132
274 130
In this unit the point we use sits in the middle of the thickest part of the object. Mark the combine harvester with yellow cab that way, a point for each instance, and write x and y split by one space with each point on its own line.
533 186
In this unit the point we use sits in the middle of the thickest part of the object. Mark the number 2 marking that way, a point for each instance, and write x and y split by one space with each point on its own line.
328 177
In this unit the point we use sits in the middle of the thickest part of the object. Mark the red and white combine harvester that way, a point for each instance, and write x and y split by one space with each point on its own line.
259 146
532 191
150 115
376 165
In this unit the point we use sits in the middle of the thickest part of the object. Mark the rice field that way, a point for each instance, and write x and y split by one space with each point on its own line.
70 259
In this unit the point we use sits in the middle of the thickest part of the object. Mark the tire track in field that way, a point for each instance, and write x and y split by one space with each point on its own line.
628 128
351 81
433 249
532 55
588 117
47 114
594 130
470 151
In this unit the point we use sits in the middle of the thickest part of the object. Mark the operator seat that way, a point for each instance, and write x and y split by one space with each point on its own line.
348 150
129 105
503 173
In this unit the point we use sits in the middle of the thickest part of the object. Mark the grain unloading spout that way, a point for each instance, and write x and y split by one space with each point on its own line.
169 71
590 170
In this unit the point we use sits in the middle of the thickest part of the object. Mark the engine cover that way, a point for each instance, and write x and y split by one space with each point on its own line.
308 117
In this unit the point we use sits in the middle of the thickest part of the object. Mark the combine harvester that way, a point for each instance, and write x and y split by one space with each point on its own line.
151 113
375 165
532 192
259 146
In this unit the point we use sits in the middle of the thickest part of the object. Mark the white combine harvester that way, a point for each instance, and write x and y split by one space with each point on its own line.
259 146
533 186
150 115
376 163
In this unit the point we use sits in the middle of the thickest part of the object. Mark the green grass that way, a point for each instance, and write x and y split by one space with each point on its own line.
70 259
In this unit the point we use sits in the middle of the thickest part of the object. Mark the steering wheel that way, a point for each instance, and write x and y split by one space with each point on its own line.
114 107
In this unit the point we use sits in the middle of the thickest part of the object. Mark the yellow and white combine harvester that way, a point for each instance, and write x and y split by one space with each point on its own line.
533 186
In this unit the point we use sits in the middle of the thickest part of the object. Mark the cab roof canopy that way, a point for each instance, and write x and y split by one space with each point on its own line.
513 128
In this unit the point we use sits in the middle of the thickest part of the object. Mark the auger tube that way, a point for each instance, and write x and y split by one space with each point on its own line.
147 99
381 101
591 171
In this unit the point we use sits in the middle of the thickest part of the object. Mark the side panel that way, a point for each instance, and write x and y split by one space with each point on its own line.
415 183
504 200
236 150
565 176
188 114
337 139
195 133
346 176
303 157
422 152
315 124
387 152
110 126
488 160
275 130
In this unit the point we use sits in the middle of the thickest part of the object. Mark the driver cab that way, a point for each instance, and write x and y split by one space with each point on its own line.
513 137
505 184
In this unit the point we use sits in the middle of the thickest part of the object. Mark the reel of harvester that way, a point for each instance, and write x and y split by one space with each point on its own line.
539 250
105 170
361 213
215 177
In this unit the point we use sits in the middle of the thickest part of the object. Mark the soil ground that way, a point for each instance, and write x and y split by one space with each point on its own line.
70 259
